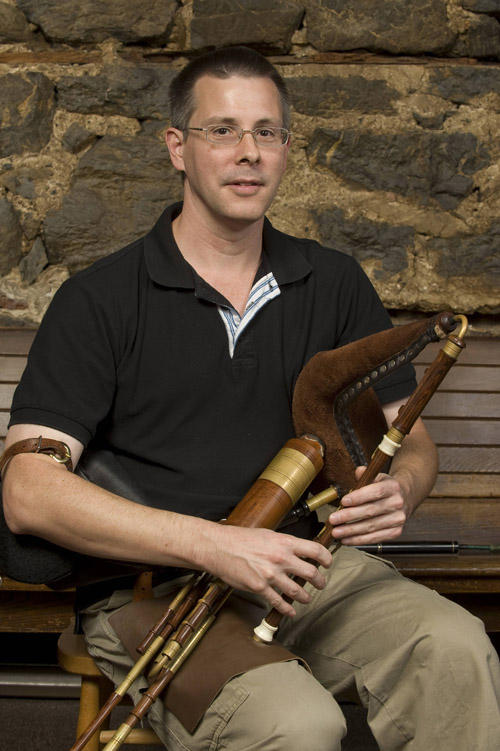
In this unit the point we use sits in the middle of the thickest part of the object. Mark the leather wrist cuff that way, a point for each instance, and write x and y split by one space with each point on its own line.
57 450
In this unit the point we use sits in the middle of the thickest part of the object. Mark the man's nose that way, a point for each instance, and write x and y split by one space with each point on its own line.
247 147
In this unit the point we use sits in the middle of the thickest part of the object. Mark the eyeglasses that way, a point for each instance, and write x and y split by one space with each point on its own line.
230 135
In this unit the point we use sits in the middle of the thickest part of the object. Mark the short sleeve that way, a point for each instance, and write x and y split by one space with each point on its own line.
69 380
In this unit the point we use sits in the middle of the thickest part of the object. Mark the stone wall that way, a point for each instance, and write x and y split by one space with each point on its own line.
396 122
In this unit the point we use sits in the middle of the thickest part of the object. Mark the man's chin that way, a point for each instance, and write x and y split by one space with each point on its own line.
241 219
246 211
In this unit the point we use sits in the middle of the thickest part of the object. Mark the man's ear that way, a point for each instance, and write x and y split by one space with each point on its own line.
175 143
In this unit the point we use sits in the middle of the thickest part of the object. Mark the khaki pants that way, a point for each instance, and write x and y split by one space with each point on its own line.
422 666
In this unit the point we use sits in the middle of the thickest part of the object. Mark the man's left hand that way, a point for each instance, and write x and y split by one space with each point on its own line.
371 514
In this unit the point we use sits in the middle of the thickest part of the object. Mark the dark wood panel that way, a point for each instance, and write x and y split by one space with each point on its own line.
35 611
6 394
467 521
462 565
445 404
16 341
11 368
466 485
464 432
4 421
11 584
469 459
467 573
473 378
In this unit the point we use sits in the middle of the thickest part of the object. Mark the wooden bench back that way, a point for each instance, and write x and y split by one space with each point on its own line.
14 348
463 418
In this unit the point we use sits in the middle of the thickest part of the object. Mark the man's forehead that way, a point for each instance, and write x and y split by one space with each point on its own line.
209 80
230 94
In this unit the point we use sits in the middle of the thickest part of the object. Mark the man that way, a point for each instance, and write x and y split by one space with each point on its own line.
180 353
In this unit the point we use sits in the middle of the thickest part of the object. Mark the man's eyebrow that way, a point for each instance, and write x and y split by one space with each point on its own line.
221 120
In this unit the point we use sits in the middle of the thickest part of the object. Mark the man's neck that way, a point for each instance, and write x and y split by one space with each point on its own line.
227 256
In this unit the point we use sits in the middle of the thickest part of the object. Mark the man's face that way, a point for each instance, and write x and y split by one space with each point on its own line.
232 184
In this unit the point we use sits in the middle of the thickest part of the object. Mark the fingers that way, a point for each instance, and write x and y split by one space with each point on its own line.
295 564
288 590
309 550
366 532
288 585
370 514
384 486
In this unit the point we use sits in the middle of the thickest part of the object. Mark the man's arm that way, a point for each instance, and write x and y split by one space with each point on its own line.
380 510
42 498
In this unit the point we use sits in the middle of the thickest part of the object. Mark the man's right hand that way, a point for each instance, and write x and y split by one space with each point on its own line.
262 561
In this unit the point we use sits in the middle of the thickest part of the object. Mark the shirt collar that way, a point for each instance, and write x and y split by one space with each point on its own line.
165 263
167 266
287 263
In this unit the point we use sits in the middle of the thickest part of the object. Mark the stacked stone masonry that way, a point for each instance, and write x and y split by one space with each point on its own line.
395 156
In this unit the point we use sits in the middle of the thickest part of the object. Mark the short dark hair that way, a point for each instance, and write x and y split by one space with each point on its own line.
222 63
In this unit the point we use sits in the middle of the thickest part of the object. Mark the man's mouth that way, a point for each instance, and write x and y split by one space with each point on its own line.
244 181
245 187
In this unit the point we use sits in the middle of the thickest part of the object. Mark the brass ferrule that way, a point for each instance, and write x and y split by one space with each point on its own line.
191 643
292 471
116 741
182 594
321 499
167 654
395 435
139 666
158 665
451 349
171 649
207 598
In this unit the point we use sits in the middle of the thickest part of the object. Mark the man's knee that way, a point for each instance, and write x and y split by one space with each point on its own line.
456 637
320 731
287 709
310 728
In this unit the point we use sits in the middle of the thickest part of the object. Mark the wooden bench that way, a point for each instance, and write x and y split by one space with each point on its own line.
464 420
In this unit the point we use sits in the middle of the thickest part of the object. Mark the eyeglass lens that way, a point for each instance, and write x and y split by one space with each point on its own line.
232 135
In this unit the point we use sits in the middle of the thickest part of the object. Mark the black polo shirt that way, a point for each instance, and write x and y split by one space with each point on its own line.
133 355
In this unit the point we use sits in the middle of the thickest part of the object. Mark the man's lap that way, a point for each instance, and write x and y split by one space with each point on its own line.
370 632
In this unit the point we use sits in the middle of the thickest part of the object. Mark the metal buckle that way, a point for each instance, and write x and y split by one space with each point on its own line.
62 459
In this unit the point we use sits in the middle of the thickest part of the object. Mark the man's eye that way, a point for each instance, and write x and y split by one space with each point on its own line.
222 130
266 133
